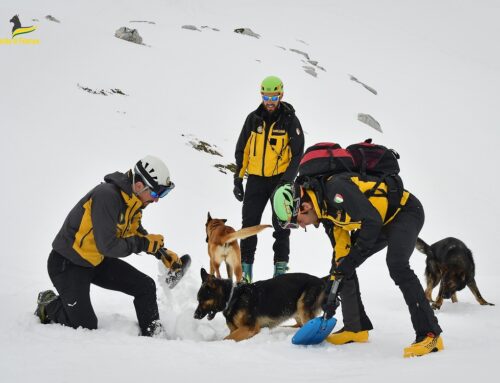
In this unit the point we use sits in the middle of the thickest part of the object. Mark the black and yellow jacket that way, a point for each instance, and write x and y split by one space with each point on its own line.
270 143
104 223
342 207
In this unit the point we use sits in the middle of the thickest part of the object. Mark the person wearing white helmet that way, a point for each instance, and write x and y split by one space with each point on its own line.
103 227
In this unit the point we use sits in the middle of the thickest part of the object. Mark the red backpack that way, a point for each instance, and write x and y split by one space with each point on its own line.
365 158
324 159
321 161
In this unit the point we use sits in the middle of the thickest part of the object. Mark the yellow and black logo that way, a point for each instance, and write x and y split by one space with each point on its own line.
18 30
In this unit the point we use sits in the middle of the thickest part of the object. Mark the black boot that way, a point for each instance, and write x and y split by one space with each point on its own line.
44 298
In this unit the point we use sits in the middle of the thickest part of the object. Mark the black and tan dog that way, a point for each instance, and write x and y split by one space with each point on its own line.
450 262
249 307
223 245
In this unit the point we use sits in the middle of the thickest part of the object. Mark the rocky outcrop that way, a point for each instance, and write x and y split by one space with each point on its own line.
129 34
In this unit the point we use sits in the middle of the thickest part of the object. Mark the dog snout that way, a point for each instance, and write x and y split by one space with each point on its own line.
199 314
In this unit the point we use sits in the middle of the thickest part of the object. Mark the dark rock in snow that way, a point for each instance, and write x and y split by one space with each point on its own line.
129 34
190 27
102 92
213 29
369 88
248 32
231 168
315 63
203 146
52 18
370 121
310 70
300 53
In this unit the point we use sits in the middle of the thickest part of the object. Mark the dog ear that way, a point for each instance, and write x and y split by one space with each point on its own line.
224 220
204 274
209 217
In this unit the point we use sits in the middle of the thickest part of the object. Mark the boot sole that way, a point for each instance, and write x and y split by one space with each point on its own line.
411 355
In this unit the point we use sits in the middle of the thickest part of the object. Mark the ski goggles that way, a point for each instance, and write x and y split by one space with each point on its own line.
270 98
161 190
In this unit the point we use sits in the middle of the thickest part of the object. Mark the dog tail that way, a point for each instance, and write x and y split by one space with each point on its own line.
423 247
244 233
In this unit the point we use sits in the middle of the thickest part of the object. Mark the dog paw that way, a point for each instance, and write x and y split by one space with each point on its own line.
487 304
436 306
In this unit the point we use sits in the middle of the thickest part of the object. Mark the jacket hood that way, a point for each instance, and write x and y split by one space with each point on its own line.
122 180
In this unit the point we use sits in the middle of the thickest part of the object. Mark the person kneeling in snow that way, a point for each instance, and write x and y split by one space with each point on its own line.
359 226
104 226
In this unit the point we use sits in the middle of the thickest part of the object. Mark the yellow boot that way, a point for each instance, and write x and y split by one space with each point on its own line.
431 343
343 337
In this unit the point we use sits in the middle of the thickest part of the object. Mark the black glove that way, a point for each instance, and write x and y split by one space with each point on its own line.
346 266
330 309
238 189
330 306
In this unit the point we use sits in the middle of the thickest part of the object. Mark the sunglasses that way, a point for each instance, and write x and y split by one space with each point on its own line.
162 190
270 98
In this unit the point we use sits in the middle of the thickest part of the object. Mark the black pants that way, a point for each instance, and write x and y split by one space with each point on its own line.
258 192
73 307
400 237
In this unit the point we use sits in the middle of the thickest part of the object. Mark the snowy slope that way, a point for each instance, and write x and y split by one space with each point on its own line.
436 73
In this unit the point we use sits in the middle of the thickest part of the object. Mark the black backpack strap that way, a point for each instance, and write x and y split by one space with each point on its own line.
316 184
362 169
395 191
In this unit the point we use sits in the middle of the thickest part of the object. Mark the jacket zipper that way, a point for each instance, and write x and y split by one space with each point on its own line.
266 133
85 236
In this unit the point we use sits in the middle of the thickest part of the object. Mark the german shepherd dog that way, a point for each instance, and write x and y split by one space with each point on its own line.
450 262
249 307
223 245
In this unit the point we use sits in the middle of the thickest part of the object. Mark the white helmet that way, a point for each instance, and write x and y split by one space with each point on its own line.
154 173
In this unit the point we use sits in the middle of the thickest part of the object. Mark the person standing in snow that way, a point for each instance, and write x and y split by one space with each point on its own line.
359 226
103 227
269 149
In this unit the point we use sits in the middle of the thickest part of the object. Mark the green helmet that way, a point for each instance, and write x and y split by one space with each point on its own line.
286 202
271 84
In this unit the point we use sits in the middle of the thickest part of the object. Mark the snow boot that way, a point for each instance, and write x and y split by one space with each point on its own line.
343 336
280 268
431 343
154 330
247 272
44 298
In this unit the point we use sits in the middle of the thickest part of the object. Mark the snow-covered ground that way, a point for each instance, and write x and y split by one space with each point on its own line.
436 68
